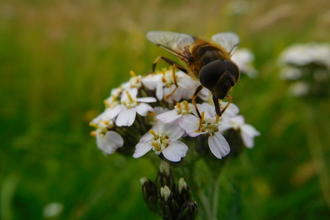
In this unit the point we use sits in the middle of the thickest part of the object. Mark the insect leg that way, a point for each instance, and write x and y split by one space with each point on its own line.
193 100
169 61
230 99
217 106
175 82
174 65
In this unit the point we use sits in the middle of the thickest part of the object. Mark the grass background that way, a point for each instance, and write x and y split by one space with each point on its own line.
59 61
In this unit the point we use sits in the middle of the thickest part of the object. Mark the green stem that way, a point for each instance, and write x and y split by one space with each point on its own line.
206 206
209 197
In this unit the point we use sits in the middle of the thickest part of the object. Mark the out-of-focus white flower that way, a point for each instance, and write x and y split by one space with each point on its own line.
210 126
52 209
304 54
308 66
299 89
290 73
130 105
162 138
244 60
237 122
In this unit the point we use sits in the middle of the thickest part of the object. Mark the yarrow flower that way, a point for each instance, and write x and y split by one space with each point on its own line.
307 68
208 125
132 105
304 54
163 138
154 113
247 131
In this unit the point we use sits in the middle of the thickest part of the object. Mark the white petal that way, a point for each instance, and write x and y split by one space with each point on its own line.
96 120
168 116
109 142
175 151
146 137
113 112
218 145
141 149
190 124
143 109
146 99
238 120
176 96
159 91
159 110
247 140
186 93
248 133
132 92
126 117
158 126
225 125
175 131
232 109
204 94
207 109
187 83
249 130
151 81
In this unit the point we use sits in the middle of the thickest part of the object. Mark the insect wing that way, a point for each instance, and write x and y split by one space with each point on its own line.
175 43
228 40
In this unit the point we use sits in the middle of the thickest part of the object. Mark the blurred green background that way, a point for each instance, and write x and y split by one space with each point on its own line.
59 61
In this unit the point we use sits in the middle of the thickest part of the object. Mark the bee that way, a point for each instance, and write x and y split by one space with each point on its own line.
206 61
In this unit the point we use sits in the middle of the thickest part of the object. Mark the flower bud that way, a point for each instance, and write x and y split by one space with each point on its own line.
150 195
168 206
164 177
189 211
183 192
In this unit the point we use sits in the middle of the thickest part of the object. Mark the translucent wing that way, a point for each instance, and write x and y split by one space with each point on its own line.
175 43
228 40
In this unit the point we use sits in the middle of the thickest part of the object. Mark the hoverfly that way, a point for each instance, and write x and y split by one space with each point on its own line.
206 61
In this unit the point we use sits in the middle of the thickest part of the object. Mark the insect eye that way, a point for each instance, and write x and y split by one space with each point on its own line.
211 73
233 69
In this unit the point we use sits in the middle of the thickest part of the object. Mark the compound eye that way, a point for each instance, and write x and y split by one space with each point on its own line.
232 68
210 73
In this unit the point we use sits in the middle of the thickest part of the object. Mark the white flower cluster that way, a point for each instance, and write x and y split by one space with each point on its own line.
308 67
305 54
154 112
